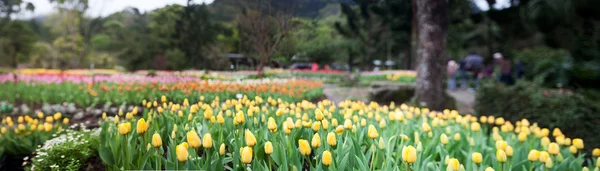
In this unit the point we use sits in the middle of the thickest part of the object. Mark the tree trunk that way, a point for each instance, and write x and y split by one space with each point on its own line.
412 55
431 63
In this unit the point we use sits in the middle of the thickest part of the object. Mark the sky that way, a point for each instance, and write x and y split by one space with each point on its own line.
107 7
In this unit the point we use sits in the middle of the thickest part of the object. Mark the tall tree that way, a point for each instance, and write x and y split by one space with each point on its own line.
264 29
196 33
432 18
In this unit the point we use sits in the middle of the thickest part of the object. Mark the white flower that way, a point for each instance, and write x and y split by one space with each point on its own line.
239 96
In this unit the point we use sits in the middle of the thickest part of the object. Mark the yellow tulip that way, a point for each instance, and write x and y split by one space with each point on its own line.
578 143
318 115
246 154
124 128
477 157
544 156
326 158
534 155
409 154
382 124
250 139
304 147
456 137
222 149
509 151
444 139
331 139
220 119
49 119
573 150
545 141
596 152
141 126
585 168
489 169
549 163
425 127
156 140
372 132
182 153
66 121
271 124
339 129
268 147
163 99
475 126
553 148
453 165
501 144
316 141
316 126
522 136
325 124
193 139
500 156
207 141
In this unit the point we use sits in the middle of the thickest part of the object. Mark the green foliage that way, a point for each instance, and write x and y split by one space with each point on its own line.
71 151
16 42
546 66
548 107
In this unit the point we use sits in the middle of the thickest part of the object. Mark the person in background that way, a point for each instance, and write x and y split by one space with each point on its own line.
452 68
519 69
473 64
504 65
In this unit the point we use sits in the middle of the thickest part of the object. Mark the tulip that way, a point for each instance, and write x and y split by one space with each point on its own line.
456 137
181 152
156 140
578 143
545 141
304 147
372 132
522 136
500 156
534 155
425 127
318 115
409 154
573 150
501 145
453 165
326 158
544 156
271 124
268 148
549 163
553 148
193 139
141 126
489 169
339 129
250 139
222 149
220 119
66 121
476 157
207 141
331 139
444 139
124 128
316 141
596 152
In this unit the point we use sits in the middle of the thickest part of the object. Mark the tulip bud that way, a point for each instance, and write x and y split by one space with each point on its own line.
268 148
316 141
476 157
193 139
409 154
500 156
533 156
222 149
372 132
326 158
156 140
331 139
207 141
304 147
250 139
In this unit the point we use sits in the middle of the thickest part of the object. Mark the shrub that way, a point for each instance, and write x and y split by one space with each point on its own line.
68 151
571 111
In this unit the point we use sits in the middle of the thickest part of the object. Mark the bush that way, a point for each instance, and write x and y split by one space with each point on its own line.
69 151
571 111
